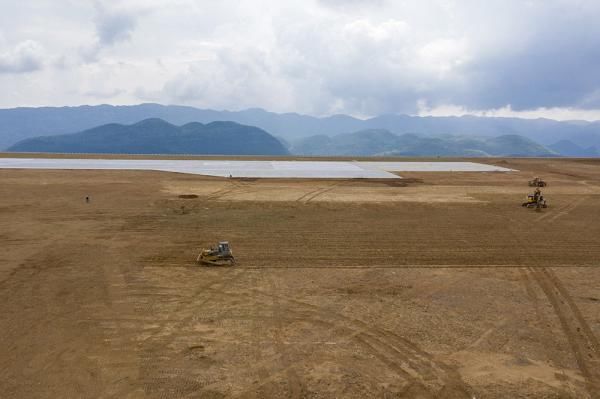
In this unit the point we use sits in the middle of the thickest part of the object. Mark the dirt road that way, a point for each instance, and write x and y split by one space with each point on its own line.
435 286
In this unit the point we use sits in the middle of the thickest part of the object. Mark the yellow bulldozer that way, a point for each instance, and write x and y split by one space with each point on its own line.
221 255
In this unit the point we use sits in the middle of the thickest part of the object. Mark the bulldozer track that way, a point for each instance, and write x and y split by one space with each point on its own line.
311 195
404 356
217 193
318 194
562 211
571 208
541 317
459 266
583 342
292 379
159 340
407 360
563 291
237 187
220 193
581 339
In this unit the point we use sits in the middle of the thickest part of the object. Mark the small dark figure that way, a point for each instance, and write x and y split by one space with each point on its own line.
230 176
87 200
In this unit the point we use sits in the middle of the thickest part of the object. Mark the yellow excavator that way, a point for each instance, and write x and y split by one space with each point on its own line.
219 256
536 200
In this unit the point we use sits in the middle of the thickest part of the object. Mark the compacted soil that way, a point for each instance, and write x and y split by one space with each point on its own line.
438 285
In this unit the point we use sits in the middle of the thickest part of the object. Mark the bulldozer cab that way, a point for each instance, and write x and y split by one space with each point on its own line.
223 248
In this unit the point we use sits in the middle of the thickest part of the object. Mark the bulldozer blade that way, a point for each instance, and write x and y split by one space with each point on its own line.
224 262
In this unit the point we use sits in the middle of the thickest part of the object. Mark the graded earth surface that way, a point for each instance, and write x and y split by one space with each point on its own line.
437 285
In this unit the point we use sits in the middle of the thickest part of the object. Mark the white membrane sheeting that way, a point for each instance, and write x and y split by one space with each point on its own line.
434 167
266 169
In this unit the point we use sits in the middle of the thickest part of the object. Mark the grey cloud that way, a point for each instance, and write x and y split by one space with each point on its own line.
112 25
552 71
554 63
25 57
371 65
592 100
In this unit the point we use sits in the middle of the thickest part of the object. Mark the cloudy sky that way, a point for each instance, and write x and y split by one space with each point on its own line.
441 57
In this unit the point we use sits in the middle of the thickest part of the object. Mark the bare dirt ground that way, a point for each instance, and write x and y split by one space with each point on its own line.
436 286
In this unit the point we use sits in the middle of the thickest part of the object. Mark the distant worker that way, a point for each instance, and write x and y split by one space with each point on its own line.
87 200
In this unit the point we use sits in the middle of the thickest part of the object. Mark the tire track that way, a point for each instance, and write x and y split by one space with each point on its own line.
583 343
561 288
152 348
292 379
562 211
413 266
404 356
581 339
217 193
486 334
417 367
225 191
574 205
240 188
541 317
315 193
312 197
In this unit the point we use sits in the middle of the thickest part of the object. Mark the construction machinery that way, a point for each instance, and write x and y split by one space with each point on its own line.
537 182
536 200
219 256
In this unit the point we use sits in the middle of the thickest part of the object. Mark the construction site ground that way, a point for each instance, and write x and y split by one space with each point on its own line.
438 285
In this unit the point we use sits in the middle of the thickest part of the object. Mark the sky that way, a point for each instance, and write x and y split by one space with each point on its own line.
527 58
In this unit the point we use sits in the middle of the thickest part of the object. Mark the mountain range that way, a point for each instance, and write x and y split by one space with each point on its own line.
576 138
155 136
567 138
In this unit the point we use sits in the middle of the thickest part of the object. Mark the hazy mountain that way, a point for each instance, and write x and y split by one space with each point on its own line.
19 123
383 142
155 136
570 149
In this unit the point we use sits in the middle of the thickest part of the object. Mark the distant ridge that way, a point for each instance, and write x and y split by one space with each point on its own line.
155 136
381 142
570 149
